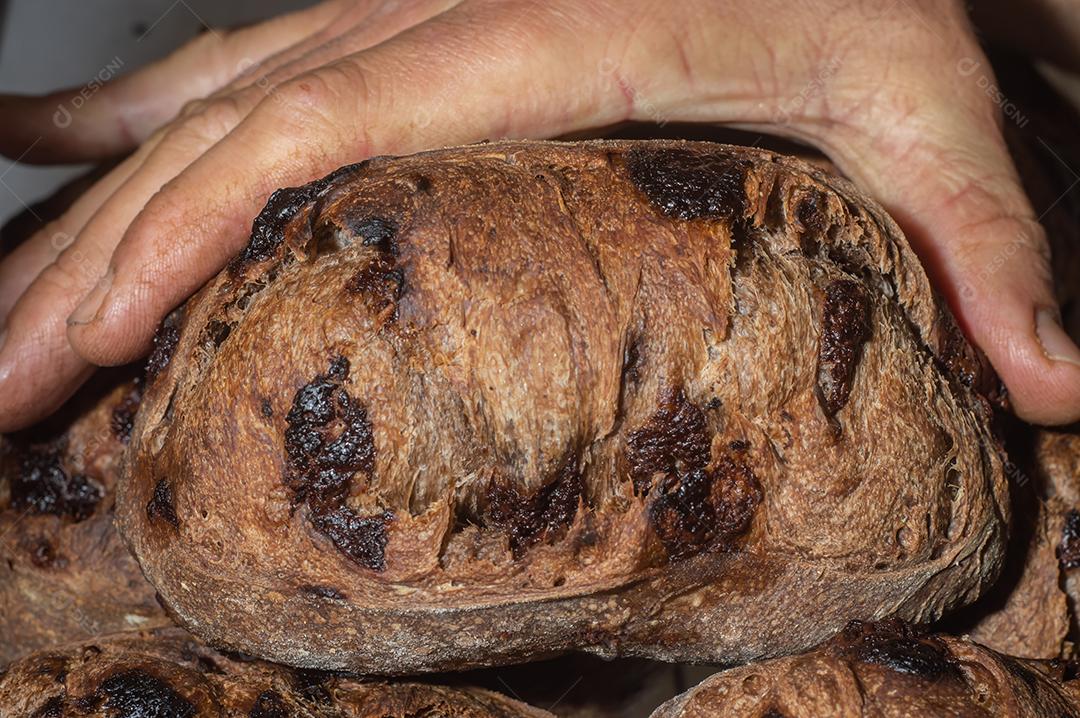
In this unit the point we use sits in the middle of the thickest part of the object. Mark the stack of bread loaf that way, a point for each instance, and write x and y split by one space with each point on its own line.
481 406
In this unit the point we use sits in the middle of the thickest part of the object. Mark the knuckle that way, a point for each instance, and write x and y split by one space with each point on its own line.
73 271
59 233
323 102
314 92
205 121
999 241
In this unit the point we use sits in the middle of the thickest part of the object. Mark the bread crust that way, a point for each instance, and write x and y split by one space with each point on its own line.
167 672
884 670
485 404
65 574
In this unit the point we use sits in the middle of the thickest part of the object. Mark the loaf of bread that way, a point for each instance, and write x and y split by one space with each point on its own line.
479 405
1027 614
167 674
884 671
64 572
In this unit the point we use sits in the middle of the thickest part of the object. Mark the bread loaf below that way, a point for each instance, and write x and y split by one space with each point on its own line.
167 674
479 405
64 572
884 671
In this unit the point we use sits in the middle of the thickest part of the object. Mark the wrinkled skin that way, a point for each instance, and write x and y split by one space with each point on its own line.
895 94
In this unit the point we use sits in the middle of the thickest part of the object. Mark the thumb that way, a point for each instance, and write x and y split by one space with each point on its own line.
961 203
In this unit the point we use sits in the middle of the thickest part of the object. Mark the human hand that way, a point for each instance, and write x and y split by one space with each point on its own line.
884 88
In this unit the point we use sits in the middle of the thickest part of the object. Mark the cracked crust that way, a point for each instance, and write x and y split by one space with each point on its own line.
677 400
168 673
65 574
884 670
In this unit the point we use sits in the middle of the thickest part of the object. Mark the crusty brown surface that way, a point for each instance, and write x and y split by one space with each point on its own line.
1032 611
168 674
64 572
485 404
1058 455
1031 618
883 670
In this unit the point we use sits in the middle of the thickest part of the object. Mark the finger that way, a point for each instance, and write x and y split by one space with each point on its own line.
29 341
359 26
961 204
372 103
19 268
29 222
107 117
20 391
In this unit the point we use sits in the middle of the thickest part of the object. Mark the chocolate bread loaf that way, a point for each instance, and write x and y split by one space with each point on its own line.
167 674
885 671
64 572
479 405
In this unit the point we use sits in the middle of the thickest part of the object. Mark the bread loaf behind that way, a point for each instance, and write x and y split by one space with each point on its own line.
65 574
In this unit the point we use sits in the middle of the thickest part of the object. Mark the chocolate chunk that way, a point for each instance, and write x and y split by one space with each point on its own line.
324 592
701 509
845 328
268 229
328 442
43 486
165 341
269 704
161 505
53 708
1069 548
898 647
674 441
542 516
361 538
375 232
137 694
967 364
689 185
123 415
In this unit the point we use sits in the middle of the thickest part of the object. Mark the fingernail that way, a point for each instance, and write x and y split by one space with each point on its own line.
91 304
1056 344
